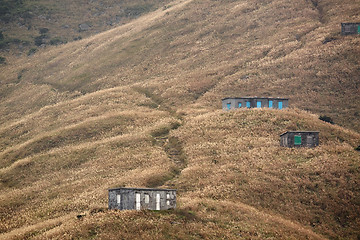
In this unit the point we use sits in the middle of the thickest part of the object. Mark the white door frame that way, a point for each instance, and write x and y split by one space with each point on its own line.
137 201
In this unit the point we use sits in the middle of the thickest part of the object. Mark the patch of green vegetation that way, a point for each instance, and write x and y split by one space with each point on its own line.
39 40
160 131
326 119
43 30
57 41
3 41
149 105
159 179
7 7
77 38
32 51
164 130
137 10
2 60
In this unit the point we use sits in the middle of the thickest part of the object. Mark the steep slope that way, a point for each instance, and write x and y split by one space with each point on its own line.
237 180
28 25
139 106
201 51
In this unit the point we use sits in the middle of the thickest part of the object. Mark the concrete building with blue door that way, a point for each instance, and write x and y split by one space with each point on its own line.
142 198
254 102
350 28
295 139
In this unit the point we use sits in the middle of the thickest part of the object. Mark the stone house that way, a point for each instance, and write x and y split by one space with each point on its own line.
299 139
254 102
142 198
350 28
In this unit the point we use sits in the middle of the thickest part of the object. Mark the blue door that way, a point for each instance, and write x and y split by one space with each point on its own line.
279 105
258 104
270 104
228 106
248 104
239 104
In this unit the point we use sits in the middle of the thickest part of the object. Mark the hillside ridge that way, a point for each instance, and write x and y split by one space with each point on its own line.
139 105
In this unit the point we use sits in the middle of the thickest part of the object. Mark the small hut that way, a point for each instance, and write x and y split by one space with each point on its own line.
299 139
350 28
142 198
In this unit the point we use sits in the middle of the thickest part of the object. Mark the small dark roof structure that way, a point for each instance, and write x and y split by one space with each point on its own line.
299 132
299 139
350 28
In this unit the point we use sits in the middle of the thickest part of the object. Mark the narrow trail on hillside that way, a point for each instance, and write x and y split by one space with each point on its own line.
171 145
320 10
174 151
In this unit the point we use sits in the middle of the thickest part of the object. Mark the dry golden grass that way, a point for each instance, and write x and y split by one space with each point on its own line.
106 111
236 156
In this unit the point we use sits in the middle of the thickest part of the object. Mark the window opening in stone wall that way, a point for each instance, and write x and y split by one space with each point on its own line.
309 141
285 141
228 106
118 199
157 201
248 104
239 104
137 199
270 104
147 198
258 104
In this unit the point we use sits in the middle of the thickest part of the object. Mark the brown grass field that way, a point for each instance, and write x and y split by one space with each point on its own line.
106 111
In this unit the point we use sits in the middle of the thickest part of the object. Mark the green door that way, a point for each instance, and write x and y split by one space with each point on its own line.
297 140
358 29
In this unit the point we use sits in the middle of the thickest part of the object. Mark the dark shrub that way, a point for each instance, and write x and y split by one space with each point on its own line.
39 40
326 119
43 30
32 51
2 60
56 41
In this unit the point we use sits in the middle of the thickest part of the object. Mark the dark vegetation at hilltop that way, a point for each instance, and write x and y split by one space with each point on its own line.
21 19
10 8
326 119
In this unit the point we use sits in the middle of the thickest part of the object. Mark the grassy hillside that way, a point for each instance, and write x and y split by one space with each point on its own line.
235 181
198 52
139 106
28 25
